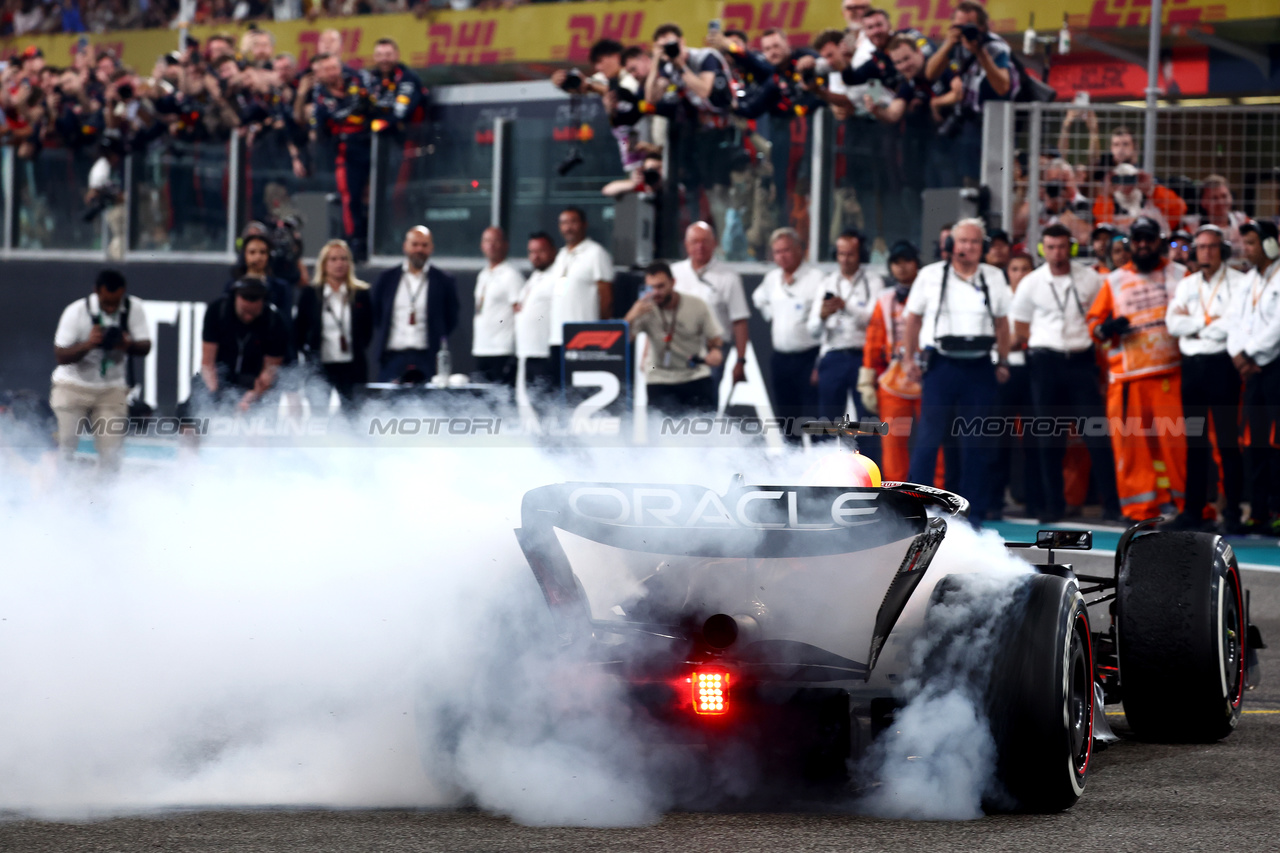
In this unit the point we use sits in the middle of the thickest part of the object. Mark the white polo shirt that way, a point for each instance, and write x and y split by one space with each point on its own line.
847 328
1254 328
74 327
410 304
965 311
1055 306
533 320
576 298
719 287
787 306
1200 312
497 291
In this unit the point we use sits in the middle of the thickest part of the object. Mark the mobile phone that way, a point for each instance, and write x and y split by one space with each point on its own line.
715 26
828 295
1081 99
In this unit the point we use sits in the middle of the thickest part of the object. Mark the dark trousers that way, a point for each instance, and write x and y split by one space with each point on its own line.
1014 399
1065 385
1262 405
555 367
792 394
685 398
953 388
538 377
396 362
351 170
497 369
1211 388
837 379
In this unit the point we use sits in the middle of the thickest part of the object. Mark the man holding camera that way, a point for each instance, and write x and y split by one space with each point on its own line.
95 337
692 85
685 345
984 64
955 314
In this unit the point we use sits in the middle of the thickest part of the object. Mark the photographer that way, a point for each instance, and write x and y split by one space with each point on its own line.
685 344
778 97
95 337
984 64
622 95
693 86
244 342
105 196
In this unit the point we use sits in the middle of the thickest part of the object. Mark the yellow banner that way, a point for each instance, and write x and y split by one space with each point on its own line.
564 32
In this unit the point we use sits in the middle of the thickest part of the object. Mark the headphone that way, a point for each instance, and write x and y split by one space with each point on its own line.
1224 246
864 251
1075 248
1268 232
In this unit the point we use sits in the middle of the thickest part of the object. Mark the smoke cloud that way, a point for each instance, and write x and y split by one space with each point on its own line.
350 628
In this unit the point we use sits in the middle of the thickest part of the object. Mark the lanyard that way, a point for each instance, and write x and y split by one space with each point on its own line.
414 293
241 343
1208 317
668 329
341 320
861 279
1071 289
1266 282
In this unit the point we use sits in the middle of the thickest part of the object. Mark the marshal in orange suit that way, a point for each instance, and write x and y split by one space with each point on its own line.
1144 395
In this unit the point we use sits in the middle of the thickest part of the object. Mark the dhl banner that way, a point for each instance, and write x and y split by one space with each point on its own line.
563 32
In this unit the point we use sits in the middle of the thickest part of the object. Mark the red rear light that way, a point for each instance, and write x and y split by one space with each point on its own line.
709 690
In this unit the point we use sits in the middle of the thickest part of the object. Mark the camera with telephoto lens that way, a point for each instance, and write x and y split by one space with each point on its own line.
951 125
671 49
285 235
125 91
112 338
809 75
572 80
106 197
970 32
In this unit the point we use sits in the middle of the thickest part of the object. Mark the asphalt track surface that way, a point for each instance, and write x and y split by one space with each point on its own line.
1140 796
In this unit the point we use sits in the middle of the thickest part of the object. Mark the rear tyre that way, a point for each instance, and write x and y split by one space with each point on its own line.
1040 699
1182 637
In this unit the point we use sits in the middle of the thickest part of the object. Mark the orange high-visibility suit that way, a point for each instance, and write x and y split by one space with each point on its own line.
1144 394
899 400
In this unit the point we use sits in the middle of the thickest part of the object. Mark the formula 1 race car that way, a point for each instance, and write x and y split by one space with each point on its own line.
784 616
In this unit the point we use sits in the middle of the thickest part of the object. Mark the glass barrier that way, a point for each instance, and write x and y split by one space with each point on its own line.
180 197
50 207
564 155
438 173
271 191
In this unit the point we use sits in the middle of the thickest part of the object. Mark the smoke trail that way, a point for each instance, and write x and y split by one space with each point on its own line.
938 760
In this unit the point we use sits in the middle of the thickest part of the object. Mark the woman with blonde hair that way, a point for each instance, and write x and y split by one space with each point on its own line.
335 321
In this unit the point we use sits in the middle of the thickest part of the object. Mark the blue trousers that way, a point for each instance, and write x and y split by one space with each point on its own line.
837 379
793 396
957 388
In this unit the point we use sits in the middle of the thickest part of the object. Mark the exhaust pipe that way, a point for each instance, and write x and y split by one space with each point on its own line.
722 630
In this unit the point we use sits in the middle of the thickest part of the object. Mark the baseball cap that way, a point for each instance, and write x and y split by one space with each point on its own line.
904 250
31 52
1105 228
252 289
1145 225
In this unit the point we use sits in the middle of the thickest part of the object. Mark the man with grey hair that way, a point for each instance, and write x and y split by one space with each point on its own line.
784 298
954 316
703 276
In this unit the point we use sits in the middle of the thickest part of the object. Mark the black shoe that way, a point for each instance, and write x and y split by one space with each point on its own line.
1253 527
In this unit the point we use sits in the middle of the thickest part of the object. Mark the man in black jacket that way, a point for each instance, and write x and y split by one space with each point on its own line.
415 308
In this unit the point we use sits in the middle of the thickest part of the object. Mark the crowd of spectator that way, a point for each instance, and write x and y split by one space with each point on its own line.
294 121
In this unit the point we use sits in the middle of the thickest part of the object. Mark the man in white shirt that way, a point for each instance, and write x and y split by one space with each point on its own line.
1198 316
95 337
533 315
415 309
701 275
785 297
493 341
1253 342
955 314
583 275
839 318
1048 312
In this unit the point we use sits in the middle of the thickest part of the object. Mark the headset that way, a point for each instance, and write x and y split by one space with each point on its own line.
864 251
1224 246
1075 248
1268 233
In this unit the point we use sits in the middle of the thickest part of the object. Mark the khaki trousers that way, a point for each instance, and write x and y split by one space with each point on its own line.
74 403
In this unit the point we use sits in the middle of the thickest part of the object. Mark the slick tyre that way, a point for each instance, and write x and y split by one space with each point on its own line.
1182 640
1040 698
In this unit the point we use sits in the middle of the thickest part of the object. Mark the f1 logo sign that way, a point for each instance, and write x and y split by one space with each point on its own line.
603 339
